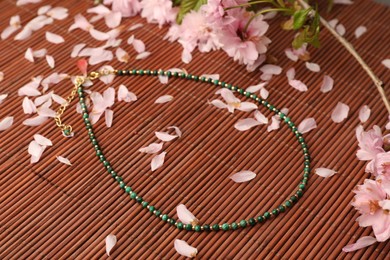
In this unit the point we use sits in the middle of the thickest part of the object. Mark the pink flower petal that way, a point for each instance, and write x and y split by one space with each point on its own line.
28 106
76 49
164 99
122 55
364 113
264 93
360 31
58 13
135 26
218 103
8 31
243 176
2 97
23 34
100 56
64 160
143 55
290 74
324 172
184 249
158 161
360 243
229 97
28 90
54 38
110 243
109 115
39 53
275 124
260 117
186 56
246 124
291 55
24 2
109 97
139 46
130 40
152 148
164 136
35 121
307 125
340 112
298 85
386 63
98 35
46 112
6 123
333 22
35 150
83 66
185 216
177 130
125 95
271 69
113 19
28 55
80 22
247 106
109 78
343 2
50 61
312 66
340 29
255 88
41 140
327 84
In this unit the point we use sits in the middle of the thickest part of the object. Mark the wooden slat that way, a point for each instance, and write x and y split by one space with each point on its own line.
55 211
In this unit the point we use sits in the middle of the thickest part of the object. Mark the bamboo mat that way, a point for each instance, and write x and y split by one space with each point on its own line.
52 211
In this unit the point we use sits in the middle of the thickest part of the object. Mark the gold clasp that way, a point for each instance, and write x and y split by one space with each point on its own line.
93 75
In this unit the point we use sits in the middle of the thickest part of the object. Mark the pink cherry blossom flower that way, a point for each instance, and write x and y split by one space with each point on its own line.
372 200
158 11
245 46
213 12
127 8
382 166
370 144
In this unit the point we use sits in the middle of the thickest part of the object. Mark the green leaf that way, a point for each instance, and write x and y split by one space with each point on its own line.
186 6
300 18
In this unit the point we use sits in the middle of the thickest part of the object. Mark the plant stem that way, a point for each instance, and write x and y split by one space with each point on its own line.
249 4
378 83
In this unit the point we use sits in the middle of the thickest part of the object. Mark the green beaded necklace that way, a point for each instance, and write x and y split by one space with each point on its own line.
67 131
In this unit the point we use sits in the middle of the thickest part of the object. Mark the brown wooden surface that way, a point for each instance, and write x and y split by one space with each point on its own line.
49 210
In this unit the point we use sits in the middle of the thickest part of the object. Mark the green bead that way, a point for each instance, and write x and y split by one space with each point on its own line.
133 195
197 228
139 199
216 227
206 227
234 225
164 217
189 227
122 185
225 226
119 72
171 221
216 82
282 208
128 189
252 221
275 212
248 94
179 225
293 198
260 219
267 215
157 213
302 186
287 203
151 208
299 193
144 204
243 223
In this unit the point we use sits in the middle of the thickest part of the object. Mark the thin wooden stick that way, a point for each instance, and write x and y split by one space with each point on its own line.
378 83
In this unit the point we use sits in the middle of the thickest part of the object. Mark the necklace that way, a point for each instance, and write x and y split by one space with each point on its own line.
67 131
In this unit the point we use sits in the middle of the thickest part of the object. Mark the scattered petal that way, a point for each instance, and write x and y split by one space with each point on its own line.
151 148
255 88
307 125
50 61
177 130
164 136
83 66
125 95
360 31
54 38
360 243
247 106
135 26
122 55
41 140
343 2
164 99
246 124
271 69
218 103
185 249
99 56
39 53
291 55
23 34
298 85
290 74
76 49
1 76
98 35
109 115
333 22
80 22
364 113
28 55
59 13
186 56
63 160
386 63
260 117
158 161
327 84
46 112
35 121
275 124
264 93
110 243
340 29
113 19
324 172
28 106
139 46
340 112
2 97
6 123
143 55
35 150
185 216
24 2
243 176
313 66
